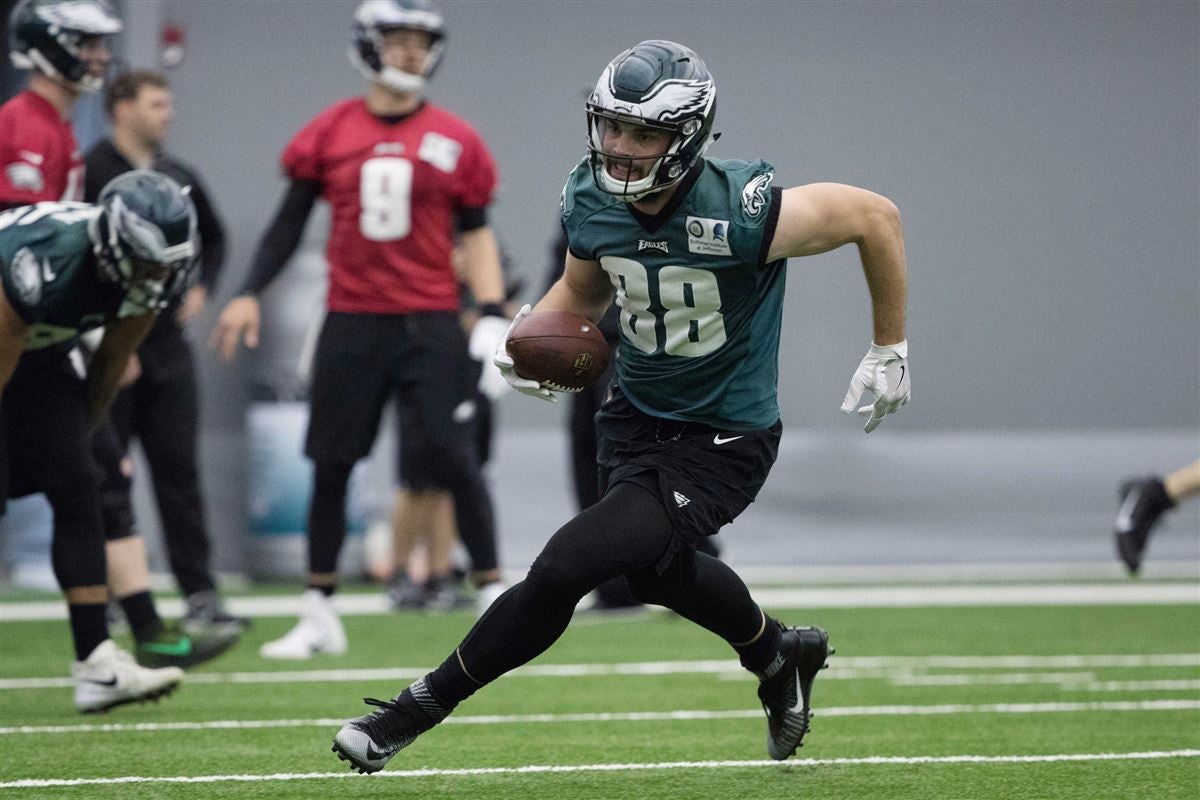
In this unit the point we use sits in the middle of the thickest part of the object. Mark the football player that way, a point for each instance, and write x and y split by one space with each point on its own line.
405 178
66 269
161 407
694 249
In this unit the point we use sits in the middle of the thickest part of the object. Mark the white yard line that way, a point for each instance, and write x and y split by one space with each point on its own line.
534 769
1047 594
630 716
846 668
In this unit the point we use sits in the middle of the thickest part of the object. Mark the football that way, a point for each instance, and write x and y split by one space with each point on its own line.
558 349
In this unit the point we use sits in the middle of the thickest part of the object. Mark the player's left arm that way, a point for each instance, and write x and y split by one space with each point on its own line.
821 217
481 265
121 339
12 340
481 271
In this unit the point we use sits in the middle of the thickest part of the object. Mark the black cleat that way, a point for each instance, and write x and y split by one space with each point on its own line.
370 741
172 646
1142 504
785 688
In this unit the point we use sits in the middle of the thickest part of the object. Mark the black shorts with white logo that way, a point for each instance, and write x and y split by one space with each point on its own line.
363 359
704 476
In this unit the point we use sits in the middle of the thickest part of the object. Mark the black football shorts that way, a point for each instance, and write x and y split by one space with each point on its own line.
704 476
363 359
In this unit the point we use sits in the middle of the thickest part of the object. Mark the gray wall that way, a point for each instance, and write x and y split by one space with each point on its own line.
1046 158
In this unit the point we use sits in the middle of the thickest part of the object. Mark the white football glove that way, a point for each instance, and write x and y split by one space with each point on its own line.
884 373
487 332
504 364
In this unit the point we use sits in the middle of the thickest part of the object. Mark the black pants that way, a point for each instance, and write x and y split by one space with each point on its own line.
614 592
421 359
44 443
162 409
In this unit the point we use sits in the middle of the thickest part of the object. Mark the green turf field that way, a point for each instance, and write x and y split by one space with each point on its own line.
1025 702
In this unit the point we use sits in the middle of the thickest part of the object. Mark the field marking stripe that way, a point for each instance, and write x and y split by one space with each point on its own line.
840 665
568 768
1109 593
629 716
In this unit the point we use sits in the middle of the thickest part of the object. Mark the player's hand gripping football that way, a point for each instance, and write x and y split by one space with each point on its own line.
884 373
504 363
239 321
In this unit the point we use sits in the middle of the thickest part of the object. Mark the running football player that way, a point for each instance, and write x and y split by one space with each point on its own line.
695 251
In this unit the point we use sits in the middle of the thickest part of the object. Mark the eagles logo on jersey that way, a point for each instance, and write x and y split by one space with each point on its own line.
27 276
756 193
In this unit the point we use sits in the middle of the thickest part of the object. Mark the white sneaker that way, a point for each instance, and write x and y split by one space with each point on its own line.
111 677
318 631
488 594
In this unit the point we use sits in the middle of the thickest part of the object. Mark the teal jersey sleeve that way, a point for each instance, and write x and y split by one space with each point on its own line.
49 275
700 310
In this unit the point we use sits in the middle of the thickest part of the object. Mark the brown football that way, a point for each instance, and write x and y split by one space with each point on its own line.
558 349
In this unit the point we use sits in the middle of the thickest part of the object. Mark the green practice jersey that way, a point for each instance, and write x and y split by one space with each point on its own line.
49 273
700 307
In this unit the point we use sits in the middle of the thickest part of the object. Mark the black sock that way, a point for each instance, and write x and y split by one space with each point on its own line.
758 655
89 627
431 704
143 618
450 683
325 590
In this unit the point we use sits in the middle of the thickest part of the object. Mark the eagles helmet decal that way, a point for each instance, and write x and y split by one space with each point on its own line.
655 84
373 18
46 35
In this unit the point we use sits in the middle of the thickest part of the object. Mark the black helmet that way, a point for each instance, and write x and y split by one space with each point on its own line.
655 84
373 18
45 35
145 237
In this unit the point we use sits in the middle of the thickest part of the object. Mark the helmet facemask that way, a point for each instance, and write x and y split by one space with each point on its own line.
658 85
150 260
373 20
51 36
666 168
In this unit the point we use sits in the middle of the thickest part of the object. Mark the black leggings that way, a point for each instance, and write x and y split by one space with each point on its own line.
626 533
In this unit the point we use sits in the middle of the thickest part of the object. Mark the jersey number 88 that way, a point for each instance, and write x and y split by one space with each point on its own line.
692 323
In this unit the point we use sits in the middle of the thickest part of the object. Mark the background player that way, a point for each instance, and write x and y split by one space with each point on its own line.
695 249
403 176
67 268
162 406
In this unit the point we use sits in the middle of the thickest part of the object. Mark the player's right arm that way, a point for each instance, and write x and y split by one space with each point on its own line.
239 321
583 289
12 340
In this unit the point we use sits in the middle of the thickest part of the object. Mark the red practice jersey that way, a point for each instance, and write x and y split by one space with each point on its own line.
39 159
394 190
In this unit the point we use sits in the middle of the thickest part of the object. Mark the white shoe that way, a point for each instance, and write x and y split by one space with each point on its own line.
318 631
488 594
110 677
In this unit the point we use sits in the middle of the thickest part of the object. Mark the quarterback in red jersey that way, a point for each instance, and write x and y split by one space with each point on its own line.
405 180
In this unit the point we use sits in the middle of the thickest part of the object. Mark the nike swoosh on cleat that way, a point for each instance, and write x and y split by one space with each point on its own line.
1125 515
796 709
110 682
718 440
373 754
180 648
